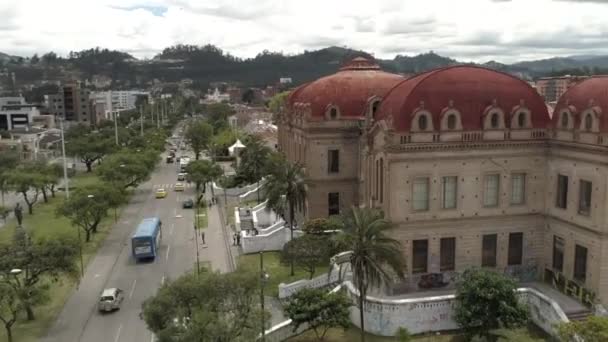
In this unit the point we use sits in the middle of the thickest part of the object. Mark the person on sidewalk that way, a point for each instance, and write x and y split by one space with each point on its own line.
19 214
203 236
238 239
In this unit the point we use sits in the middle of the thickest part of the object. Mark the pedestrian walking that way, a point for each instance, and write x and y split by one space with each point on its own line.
238 240
19 214
203 236
234 239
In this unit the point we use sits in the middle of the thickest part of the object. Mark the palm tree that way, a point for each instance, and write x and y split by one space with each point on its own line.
285 189
374 254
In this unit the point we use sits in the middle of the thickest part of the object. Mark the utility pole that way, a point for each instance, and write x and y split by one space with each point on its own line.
158 117
116 127
141 120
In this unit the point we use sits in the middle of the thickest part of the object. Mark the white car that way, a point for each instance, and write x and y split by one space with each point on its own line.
110 299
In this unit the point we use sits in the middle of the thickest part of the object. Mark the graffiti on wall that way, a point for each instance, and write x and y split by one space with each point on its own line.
569 287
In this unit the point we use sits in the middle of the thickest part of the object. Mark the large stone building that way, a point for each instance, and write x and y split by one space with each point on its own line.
468 165
552 88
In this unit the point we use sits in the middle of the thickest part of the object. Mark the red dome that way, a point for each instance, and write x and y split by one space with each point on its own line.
468 89
349 89
592 92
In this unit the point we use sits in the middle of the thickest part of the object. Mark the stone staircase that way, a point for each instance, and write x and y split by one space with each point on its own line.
578 315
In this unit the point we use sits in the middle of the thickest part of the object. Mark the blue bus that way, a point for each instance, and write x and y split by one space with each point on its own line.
146 240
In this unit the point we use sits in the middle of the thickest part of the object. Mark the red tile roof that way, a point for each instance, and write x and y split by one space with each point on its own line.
469 89
349 89
592 92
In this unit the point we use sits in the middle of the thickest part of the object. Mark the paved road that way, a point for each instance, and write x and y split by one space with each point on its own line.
114 267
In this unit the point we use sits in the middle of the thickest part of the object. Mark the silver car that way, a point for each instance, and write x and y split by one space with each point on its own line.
110 299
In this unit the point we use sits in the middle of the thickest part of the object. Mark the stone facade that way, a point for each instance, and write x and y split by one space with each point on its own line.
467 153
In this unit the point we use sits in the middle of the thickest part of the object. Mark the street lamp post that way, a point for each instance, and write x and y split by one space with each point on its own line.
263 280
65 167
196 227
116 127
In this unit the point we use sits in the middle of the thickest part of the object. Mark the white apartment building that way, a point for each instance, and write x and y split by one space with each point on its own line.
15 113
118 100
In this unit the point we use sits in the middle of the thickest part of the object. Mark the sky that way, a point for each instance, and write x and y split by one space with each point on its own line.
468 30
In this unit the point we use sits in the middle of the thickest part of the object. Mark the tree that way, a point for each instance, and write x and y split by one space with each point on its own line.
217 114
49 176
10 307
8 161
41 261
307 252
286 188
89 148
127 168
248 96
486 300
202 172
593 328
209 307
277 103
254 163
319 309
88 205
198 135
374 254
222 140
23 180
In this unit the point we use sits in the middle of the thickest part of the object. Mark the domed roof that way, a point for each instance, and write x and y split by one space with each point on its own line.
470 90
349 89
592 92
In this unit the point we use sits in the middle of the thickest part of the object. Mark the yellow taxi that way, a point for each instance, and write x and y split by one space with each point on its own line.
161 193
179 187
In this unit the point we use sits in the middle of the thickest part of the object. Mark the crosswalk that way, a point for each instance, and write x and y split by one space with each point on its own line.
172 185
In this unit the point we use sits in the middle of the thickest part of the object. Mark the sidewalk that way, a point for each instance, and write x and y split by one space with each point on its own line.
217 249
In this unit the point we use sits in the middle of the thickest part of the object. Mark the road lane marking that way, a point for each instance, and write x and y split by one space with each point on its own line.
171 230
162 280
168 249
175 212
132 288
118 333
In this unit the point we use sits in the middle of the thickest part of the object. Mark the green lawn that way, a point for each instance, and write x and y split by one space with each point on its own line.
83 179
529 334
202 217
278 272
45 224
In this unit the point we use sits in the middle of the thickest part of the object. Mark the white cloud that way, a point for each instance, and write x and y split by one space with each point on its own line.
477 30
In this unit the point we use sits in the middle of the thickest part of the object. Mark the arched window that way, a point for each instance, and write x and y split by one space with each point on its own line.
375 106
451 121
521 120
494 120
422 122
564 120
588 122
333 113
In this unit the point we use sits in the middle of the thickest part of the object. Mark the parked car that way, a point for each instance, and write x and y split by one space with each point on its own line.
188 204
110 299
161 193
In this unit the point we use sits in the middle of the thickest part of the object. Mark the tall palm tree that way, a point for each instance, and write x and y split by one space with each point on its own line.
286 190
375 256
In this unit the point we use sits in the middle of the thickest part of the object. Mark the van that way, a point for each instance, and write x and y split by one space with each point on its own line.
110 299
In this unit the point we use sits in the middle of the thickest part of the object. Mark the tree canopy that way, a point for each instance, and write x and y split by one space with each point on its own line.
198 135
202 172
319 309
307 252
209 307
486 300
127 168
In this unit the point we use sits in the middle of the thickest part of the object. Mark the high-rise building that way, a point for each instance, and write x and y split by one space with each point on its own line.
76 102
552 88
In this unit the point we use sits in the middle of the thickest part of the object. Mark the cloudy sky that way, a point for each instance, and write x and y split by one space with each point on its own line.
477 30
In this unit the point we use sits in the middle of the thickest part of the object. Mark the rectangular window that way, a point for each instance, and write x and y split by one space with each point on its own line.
447 254
449 192
421 193
561 200
580 263
333 161
488 251
518 188
584 199
558 253
491 190
420 256
333 203
515 248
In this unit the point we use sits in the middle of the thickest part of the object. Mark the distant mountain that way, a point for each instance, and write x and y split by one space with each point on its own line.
208 64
